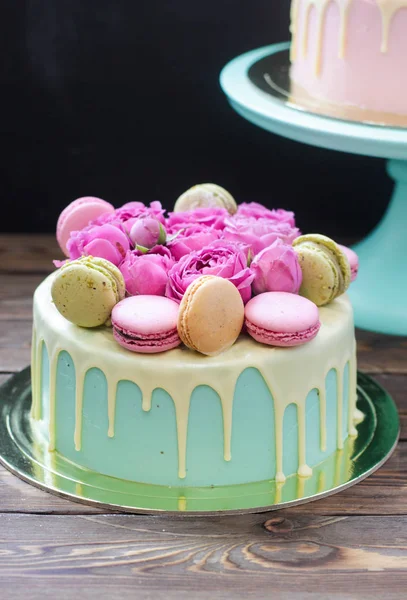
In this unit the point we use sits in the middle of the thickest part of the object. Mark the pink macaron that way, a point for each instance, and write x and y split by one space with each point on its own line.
78 215
146 324
281 319
353 261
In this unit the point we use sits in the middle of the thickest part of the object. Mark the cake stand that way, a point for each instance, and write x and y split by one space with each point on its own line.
258 88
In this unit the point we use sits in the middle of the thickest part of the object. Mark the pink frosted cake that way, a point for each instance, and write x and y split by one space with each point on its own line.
351 52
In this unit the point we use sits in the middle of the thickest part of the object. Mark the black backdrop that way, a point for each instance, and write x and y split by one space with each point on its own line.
120 99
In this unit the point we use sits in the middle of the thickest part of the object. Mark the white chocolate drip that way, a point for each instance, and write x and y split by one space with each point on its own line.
182 371
387 8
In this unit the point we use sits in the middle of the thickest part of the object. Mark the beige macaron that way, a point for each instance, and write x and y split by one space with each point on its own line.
211 315
206 195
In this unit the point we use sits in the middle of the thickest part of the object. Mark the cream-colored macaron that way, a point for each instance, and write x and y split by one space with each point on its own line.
85 291
325 268
206 195
211 315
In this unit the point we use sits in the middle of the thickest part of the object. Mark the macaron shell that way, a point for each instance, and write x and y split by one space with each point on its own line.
146 315
148 346
78 215
211 315
206 195
83 295
109 270
320 275
331 247
283 340
282 312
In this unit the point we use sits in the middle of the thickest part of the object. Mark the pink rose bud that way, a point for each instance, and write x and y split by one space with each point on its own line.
147 232
276 269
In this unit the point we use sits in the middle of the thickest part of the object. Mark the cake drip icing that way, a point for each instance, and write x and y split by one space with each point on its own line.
181 371
387 8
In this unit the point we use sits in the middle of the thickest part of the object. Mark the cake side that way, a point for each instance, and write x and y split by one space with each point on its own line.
250 414
351 52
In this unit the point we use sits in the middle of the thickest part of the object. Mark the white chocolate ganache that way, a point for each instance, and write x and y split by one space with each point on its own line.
284 377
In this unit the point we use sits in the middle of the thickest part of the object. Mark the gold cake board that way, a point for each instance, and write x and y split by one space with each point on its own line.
30 460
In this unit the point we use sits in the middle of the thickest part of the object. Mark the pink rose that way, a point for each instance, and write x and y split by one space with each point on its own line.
258 211
130 212
147 232
221 258
147 274
105 241
258 233
277 269
211 217
194 237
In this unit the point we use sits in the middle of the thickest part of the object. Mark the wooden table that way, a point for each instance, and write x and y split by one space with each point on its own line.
351 545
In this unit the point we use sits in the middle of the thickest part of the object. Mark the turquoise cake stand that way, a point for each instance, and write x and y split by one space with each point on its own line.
257 86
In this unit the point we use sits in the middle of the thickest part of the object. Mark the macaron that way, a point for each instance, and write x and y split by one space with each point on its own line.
211 315
353 259
325 269
281 319
146 324
78 215
85 291
206 195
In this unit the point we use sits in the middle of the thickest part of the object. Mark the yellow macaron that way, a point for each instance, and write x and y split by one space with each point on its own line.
211 315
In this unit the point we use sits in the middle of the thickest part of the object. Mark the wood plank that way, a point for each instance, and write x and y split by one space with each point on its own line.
28 253
16 296
239 557
378 353
384 493
15 345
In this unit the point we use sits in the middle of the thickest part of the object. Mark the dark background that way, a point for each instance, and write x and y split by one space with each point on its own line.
120 99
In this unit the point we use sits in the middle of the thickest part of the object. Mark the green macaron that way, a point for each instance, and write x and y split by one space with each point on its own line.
325 268
85 290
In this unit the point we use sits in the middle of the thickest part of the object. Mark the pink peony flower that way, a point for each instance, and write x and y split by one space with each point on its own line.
258 233
147 232
258 211
277 269
211 217
221 258
130 212
105 241
147 274
194 237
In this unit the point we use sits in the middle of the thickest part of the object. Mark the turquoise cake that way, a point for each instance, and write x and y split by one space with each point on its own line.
253 413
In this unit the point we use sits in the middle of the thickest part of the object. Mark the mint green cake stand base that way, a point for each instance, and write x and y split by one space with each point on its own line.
258 88
30 460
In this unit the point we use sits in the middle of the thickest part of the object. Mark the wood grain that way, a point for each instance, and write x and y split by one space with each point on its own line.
236 557
379 353
16 296
27 253
15 345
